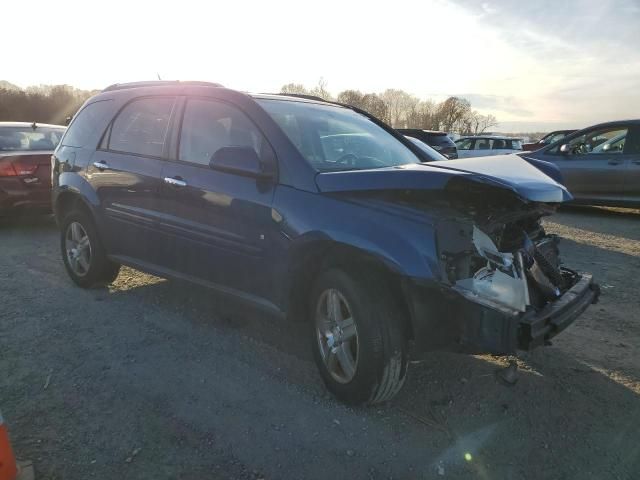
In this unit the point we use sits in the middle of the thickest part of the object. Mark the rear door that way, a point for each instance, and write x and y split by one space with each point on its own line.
481 148
126 175
500 146
465 147
217 226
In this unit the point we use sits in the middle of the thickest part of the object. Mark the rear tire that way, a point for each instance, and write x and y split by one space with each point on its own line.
83 254
362 357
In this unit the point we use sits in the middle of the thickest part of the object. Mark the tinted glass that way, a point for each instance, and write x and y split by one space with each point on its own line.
83 127
500 144
482 144
28 139
426 149
440 140
336 138
141 127
208 126
464 143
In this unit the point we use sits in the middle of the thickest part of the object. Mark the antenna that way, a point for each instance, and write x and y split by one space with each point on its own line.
158 76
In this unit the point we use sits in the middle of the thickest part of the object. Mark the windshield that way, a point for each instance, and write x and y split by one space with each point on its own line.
22 139
335 138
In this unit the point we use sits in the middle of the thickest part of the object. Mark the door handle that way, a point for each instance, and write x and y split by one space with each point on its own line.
101 165
176 182
614 162
637 162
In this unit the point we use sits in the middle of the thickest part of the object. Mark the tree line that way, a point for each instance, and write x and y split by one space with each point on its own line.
403 110
54 103
42 104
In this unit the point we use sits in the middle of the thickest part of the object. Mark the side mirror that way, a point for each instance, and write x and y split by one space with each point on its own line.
565 149
242 161
67 120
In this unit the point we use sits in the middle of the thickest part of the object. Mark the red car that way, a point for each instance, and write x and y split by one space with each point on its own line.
548 139
25 166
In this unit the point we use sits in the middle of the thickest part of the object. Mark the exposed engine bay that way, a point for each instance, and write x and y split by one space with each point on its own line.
502 257
528 276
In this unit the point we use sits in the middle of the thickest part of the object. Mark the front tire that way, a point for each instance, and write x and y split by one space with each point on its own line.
358 335
82 251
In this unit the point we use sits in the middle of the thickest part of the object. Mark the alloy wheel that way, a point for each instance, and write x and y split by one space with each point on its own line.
78 249
337 335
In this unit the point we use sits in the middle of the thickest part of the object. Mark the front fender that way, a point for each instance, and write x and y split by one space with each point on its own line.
405 246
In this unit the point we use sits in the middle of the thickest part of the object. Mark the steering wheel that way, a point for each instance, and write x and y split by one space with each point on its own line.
348 159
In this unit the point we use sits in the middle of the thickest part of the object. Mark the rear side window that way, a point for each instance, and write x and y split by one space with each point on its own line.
141 127
441 140
482 144
82 131
208 126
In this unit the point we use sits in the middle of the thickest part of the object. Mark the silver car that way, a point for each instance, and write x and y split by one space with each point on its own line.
600 165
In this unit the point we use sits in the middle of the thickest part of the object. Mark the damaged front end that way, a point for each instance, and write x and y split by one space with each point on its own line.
516 294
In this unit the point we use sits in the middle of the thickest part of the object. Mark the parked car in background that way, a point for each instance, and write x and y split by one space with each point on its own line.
600 164
428 151
439 141
318 212
548 139
25 166
486 145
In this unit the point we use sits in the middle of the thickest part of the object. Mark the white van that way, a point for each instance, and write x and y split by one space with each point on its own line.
483 146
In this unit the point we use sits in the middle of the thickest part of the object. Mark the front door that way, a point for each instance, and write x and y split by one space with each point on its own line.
126 174
217 226
631 156
594 165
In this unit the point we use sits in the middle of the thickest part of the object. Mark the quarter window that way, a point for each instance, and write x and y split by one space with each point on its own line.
208 126
141 127
83 129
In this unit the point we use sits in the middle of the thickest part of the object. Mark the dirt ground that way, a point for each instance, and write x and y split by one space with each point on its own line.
151 379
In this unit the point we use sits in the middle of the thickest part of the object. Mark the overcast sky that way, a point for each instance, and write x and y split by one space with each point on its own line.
534 64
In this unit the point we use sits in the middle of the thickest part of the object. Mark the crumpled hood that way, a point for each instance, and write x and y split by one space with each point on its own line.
501 171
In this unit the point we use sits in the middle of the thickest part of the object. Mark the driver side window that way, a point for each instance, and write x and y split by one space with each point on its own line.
599 142
209 125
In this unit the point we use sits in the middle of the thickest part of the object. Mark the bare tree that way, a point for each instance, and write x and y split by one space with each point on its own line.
321 90
486 121
452 112
43 103
352 97
399 105
373 104
296 88
422 115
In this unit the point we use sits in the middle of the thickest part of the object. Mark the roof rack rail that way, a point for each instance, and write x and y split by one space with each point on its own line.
158 83
305 96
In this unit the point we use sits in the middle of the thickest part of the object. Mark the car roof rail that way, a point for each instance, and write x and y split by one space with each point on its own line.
159 83
305 96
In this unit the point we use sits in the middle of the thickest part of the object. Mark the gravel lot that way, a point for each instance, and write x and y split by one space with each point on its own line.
151 379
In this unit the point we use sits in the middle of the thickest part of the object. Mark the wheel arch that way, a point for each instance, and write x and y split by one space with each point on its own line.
322 254
67 201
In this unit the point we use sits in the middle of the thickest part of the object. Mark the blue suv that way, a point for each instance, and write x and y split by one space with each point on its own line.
317 212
